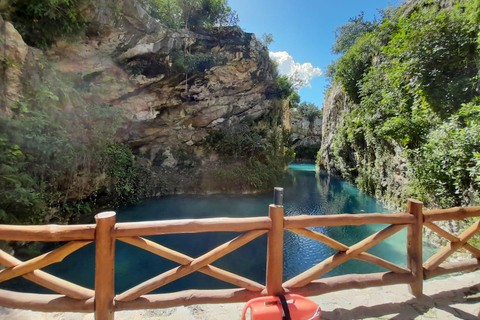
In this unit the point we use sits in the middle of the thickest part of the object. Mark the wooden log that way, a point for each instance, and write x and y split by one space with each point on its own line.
274 276
150 228
322 238
339 258
183 259
365 256
44 302
42 261
447 251
305 221
187 298
104 265
415 247
452 238
47 233
458 213
184 270
48 281
446 268
351 281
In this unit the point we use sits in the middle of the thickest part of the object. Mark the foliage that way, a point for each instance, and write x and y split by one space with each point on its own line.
355 64
267 39
258 174
284 88
42 22
128 181
309 111
413 81
445 170
17 195
186 158
240 142
264 159
294 99
347 34
193 14
195 62
48 147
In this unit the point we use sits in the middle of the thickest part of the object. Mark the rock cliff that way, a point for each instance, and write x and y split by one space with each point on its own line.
174 86
335 106
306 136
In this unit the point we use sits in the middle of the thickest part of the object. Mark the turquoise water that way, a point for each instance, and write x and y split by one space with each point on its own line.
306 192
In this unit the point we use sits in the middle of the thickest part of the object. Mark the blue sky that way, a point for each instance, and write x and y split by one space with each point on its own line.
304 29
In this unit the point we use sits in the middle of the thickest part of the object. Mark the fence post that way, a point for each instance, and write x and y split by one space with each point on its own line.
275 246
104 265
415 247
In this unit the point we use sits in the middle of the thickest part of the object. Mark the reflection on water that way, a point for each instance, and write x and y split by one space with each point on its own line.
306 192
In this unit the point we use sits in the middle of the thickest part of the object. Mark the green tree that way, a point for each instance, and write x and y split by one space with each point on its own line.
284 87
267 39
347 34
193 14
309 111
42 22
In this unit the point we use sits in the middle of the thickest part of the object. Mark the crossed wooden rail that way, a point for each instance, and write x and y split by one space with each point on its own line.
106 231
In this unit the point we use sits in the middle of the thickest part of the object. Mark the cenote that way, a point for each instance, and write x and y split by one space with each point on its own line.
306 192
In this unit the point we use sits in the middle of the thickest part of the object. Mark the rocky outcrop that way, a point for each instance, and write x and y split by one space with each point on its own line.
137 66
335 106
18 61
306 136
174 86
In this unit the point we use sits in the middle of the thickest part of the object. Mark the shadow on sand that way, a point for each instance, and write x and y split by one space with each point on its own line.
428 307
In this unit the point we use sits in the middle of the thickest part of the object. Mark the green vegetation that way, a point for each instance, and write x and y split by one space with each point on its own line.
55 149
262 159
309 111
186 62
193 14
414 82
42 22
347 35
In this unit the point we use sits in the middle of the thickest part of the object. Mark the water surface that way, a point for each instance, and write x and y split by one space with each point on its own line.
306 192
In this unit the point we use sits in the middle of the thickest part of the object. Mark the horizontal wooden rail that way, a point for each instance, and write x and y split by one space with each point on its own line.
457 213
44 302
150 228
187 298
47 233
446 268
303 221
351 281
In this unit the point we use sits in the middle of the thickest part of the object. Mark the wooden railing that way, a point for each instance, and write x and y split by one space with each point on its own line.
104 302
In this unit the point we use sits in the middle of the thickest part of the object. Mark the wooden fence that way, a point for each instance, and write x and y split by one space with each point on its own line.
104 302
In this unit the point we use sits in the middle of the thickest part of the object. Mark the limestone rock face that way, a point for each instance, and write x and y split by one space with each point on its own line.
14 56
306 136
175 86
335 106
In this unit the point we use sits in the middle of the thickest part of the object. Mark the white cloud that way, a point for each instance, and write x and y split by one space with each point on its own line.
299 73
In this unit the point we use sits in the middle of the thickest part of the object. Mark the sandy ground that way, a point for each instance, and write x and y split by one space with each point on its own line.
456 297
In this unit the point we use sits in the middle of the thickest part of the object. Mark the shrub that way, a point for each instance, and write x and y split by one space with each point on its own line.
42 22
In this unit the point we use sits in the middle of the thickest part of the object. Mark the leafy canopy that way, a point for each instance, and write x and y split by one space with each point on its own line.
42 22
193 14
